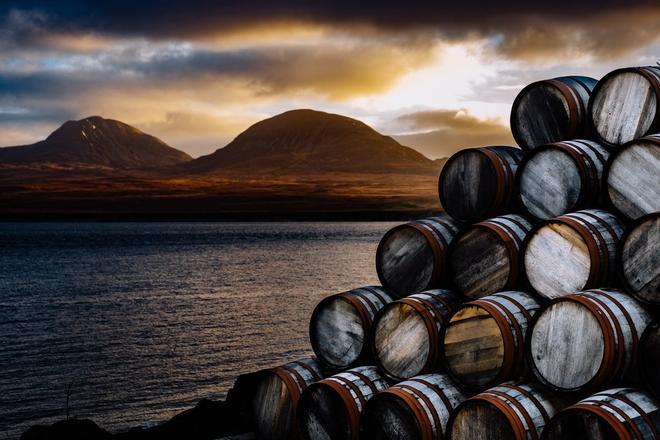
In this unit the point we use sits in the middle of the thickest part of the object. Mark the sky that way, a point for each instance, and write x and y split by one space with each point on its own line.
437 76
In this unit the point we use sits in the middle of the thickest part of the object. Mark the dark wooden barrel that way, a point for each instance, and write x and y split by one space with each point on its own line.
632 178
412 257
648 359
478 183
417 409
573 252
339 327
614 414
563 177
638 259
509 411
586 340
552 110
275 397
626 105
484 342
486 257
330 409
407 333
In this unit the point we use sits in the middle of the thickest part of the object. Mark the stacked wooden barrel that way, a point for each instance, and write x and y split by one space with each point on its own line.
527 310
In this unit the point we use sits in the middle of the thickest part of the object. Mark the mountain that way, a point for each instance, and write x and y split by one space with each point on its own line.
97 141
312 142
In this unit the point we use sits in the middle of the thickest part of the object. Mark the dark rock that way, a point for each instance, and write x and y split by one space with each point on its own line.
67 430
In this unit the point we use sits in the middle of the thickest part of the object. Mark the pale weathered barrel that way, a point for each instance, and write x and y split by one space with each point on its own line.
614 414
330 409
552 110
573 252
484 342
486 257
626 104
478 183
412 257
563 177
275 396
417 409
638 259
649 358
586 340
340 324
509 411
632 177
407 334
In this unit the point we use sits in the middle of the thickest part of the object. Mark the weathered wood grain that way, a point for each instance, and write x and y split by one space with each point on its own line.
563 177
340 324
274 400
626 104
586 340
416 409
573 252
649 358
477 183
412 257
485 257
618 413
407 333
510 411
639 259
551 111
330 409
485 340
633 180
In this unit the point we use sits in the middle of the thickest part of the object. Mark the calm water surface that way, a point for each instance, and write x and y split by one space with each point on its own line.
145 319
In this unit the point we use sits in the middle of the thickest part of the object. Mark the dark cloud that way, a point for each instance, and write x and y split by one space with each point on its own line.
447 131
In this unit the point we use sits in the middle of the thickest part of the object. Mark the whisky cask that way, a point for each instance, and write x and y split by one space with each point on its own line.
478 183
626 105
339 327
275 397
586 340
408 332
417 409
648 359
638 259
486 257
330 409
484 342
614 414
509 411
632 178
573 252
412 257
563 177
552 110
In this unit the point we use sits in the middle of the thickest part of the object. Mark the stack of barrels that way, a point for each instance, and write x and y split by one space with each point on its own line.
524 311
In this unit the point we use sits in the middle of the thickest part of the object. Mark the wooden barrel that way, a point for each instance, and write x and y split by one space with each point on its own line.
649 358
417 409
638 259
478 183
275 397
614 414
509 411
407 333
563 177
586 340
632 178
412 257
626 105
573 252
330 409
485 340
552 110
339 327
486 257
